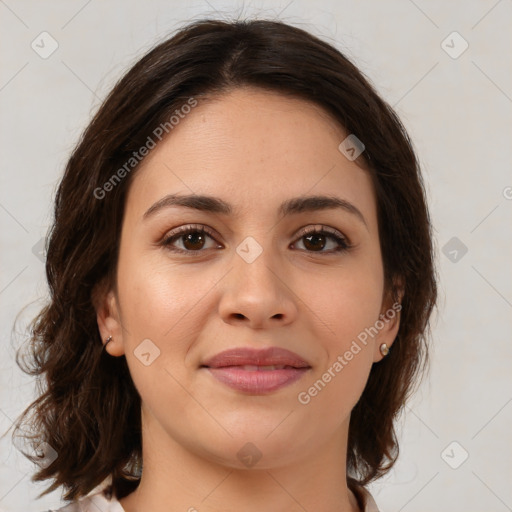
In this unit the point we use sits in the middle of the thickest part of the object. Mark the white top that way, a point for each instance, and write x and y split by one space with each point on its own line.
98 501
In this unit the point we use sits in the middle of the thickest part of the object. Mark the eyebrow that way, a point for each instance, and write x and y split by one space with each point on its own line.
291 206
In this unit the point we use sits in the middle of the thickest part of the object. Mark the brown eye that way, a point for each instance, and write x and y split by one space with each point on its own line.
315 240
193 239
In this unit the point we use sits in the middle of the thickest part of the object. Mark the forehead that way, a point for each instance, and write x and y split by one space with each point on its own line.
254 148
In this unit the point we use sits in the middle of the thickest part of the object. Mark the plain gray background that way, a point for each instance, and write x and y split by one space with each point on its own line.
456 103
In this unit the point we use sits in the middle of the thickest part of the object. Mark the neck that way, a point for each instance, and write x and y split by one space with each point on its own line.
175 478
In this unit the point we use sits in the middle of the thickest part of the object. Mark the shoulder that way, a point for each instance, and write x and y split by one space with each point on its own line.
99 500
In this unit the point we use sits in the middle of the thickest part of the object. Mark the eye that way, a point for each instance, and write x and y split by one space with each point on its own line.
317 238
193 239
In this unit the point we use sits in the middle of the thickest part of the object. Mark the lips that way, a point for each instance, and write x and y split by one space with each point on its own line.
259 358
257 371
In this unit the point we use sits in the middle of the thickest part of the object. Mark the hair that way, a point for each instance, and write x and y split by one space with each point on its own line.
89 409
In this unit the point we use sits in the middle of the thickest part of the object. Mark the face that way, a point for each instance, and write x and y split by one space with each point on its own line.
247 272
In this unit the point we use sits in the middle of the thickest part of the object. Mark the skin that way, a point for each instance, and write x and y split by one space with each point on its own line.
254 149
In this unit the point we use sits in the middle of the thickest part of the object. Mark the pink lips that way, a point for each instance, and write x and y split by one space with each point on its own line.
257 371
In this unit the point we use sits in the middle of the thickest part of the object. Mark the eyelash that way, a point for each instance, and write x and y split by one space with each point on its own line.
343 243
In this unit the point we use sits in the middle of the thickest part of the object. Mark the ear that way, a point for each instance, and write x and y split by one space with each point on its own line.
389 320
107 315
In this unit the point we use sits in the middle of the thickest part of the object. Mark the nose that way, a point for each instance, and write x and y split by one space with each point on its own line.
258 294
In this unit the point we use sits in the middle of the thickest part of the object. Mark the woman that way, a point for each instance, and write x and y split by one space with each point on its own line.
241 276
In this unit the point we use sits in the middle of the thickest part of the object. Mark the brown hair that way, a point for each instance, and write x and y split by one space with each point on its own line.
89 409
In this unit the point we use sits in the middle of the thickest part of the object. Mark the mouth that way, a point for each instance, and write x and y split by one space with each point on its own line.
257 371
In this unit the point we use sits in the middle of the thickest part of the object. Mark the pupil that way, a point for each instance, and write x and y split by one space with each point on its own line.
194 238
315 237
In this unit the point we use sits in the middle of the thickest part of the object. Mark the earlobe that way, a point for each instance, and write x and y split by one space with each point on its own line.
109 323
386 338
389 323
114 349
384 349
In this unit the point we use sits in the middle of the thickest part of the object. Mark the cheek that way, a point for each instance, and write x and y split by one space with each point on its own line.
345 313
346 305
347 302
154 293
159 303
